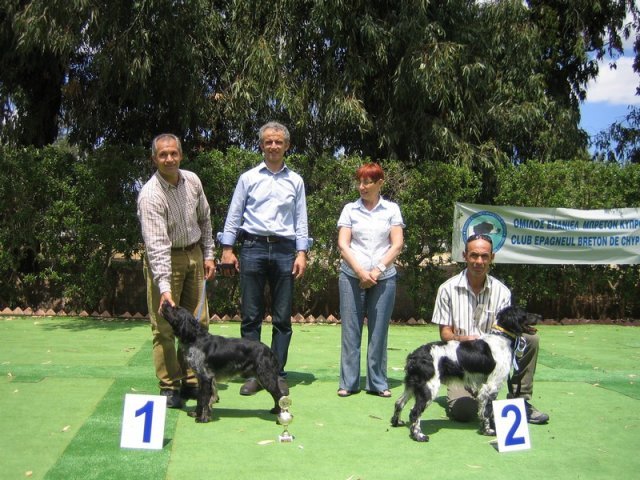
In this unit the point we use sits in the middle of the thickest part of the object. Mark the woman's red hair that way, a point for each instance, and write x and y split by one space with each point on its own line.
370 170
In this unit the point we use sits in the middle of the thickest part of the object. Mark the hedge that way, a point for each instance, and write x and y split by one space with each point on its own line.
65 217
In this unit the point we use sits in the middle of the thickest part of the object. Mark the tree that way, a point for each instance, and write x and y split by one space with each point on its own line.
621 141
110 71
577 34
149 67
473 83
455 81
34 53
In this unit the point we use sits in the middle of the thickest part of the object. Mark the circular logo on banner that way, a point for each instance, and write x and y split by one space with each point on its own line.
486 223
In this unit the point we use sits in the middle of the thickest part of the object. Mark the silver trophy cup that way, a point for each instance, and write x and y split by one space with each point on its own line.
284 419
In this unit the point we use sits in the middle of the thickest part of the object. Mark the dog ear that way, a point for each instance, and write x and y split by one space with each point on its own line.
512 319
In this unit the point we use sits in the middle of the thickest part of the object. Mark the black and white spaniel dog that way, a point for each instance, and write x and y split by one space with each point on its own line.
213 357
481 365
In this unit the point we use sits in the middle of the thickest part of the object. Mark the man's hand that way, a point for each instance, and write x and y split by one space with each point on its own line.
447 334
209 269
228 258
166 296
299 265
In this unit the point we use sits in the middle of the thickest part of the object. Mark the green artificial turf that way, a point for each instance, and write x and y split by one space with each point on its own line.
63 382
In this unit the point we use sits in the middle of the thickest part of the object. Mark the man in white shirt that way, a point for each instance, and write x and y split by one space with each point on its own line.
466 307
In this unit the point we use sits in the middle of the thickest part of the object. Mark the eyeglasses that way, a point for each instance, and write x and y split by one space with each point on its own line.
366 183
480 236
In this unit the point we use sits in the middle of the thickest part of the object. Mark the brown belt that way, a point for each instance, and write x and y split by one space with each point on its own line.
188 248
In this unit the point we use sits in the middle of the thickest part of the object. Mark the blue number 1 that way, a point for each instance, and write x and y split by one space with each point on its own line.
511 439
147 410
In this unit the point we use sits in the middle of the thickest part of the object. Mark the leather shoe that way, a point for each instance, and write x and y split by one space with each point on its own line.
535 416
173 397
250 387
282 385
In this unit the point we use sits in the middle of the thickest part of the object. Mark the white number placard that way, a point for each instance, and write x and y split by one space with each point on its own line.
143 421
512 428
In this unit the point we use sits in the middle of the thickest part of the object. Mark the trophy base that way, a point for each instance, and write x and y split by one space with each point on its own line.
285 438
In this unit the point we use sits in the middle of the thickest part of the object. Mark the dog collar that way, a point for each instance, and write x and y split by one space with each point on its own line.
502 331
518 344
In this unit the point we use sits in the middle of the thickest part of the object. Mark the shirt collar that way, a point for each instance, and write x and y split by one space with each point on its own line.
464 282
263 166
381 204
166 185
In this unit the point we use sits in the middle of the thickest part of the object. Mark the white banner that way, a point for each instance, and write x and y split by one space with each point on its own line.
551 235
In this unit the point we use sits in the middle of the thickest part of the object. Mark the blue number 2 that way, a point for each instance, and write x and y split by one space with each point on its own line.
147 410
511 439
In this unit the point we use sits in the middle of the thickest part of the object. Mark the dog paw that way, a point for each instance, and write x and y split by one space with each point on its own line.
192 414
420 437
396 422
489 432
275 410
203 419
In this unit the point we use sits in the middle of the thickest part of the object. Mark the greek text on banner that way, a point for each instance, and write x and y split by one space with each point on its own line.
550 235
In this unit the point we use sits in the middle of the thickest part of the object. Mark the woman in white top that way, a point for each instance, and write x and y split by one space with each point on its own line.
370 237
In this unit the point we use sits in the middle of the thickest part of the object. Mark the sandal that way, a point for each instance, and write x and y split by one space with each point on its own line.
344 393
382 393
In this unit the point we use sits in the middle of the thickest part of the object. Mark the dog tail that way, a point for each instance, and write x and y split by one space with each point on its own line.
418 369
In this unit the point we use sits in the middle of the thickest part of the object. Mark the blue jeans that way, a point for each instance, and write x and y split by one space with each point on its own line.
376 303
260 263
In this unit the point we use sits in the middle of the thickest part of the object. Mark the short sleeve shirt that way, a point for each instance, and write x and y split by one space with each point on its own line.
370 233
467 313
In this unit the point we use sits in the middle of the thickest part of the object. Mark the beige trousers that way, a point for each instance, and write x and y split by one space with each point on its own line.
187 285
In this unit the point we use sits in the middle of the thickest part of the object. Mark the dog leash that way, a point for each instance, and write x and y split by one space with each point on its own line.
519 346
518 352
203 299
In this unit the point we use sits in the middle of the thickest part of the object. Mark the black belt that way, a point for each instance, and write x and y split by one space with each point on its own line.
264 238
188 248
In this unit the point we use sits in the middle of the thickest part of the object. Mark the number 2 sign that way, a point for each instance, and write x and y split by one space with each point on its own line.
512 428
143 421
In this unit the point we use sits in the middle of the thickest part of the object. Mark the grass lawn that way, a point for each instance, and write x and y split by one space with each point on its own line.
63 382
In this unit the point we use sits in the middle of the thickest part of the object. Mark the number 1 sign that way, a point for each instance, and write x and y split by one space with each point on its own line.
512 428
143 421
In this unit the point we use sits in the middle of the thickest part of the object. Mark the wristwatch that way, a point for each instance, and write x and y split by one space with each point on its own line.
381 266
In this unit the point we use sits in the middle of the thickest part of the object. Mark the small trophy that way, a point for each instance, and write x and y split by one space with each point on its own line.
284 419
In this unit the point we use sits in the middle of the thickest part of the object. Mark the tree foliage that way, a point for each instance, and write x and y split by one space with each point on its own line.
65 214
621 141
463 82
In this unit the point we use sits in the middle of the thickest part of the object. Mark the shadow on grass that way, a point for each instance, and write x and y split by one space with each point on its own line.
293 379
83 324
432 427
219 413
